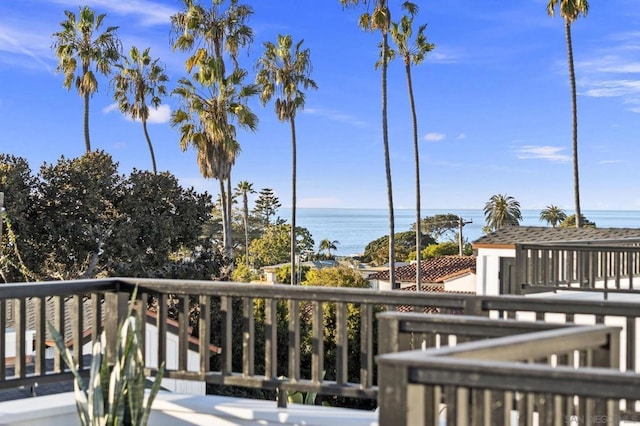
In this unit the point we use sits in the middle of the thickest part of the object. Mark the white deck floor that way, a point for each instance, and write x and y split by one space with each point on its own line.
171 409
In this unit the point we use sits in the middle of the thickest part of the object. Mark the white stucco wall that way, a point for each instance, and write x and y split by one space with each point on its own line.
488 270
190 387
466 283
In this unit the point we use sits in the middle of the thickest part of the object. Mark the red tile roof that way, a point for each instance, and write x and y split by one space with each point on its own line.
432 270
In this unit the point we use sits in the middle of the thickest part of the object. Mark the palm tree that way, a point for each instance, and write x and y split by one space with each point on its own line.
502 210
283 71
553 215
77 49
380 20
412 53
570 10
244 188
139 78
328 245
213 100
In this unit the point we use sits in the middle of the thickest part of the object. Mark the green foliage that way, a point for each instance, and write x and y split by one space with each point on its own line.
76 211
115 394
502 210
339 277
438 226
266 205
336 277
570 222
284 273
447 248
242 273
157 217
78 218
275 245
553 215
377 251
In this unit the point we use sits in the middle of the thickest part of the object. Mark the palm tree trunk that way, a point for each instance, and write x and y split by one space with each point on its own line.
87 141
225 223
387 162
153 157
416 149
574 117
229 244
293 200
245 211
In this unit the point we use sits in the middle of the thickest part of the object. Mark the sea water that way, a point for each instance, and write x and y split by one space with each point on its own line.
355 228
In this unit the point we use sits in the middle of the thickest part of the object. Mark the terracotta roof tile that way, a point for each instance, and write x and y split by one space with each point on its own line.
430 309
432 270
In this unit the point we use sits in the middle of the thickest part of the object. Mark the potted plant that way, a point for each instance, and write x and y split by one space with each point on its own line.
114 395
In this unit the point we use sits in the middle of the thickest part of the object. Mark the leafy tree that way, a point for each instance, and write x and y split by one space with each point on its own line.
78 46
16 221
376 251
213 100
157 218
553 215
139 78
447 248
274 245
328 245
283 71
412 53
242 273
340 277
283 275
570 10
244 188
380 20
439 225
502 210
267 205
76 212
570 222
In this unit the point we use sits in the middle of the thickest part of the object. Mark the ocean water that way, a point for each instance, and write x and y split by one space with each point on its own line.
355 228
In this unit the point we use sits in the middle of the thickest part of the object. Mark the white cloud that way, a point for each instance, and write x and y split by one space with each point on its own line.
335 116
461 136
434 137
150 13
549 153
109 108
160 115
611 161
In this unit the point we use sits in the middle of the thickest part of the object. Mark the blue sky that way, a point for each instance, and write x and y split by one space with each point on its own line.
493 104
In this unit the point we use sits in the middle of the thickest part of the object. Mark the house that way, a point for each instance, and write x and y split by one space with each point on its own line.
32 306
496 252
452 273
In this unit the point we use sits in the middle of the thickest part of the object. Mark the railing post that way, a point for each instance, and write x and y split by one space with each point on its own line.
521 269
116 310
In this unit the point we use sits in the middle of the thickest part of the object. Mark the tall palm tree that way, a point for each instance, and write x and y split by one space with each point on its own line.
78 46
502 210
570 10
328 245
412 53
380 20
244 188
213 99
553 215
139 78
283 71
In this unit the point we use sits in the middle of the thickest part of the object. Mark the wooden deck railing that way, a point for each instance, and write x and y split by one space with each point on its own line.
605 266
259 349
466 381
